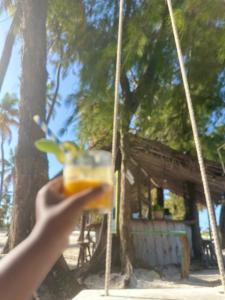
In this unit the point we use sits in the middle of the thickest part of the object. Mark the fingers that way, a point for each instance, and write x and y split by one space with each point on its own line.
80 200
56 184
51 193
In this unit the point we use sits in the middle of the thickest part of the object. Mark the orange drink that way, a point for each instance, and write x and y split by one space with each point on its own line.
88 170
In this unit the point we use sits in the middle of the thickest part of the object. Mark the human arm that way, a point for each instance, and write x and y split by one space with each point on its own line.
24 268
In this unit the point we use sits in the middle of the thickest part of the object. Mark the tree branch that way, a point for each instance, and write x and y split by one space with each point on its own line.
149 75
55 94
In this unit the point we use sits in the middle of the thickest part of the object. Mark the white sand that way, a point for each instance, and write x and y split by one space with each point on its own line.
153 294
143 279
169 278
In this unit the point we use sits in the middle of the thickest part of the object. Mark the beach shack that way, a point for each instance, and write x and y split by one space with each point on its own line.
158 241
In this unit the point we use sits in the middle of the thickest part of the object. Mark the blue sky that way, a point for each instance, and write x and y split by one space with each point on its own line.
68 85
12 85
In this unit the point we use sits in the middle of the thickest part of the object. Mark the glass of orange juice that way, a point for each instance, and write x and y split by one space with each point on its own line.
87 170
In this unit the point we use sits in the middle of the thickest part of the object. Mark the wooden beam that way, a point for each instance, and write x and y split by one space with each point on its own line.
192 214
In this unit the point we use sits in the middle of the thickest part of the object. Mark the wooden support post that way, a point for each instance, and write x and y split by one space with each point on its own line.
222 225
160 197
192 215
149 199
139 192
82 250
185 259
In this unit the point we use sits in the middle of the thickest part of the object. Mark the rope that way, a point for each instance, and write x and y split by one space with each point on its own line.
219 254
220 157
114 146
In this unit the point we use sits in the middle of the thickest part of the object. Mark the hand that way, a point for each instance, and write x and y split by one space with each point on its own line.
58 215
24 268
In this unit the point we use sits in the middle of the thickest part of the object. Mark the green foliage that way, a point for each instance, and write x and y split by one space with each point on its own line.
176 206
7 5
8 187
205 235
9 170
5 209
8 115
8 118
154 197
201 29
152 94
157 207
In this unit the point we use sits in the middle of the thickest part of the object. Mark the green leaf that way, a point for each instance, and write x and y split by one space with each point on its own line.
48 146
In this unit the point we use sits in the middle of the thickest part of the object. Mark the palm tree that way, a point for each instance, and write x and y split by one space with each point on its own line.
8 118
10 170
7 5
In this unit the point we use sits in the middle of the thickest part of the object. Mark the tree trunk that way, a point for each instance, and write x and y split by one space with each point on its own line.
126 253
3 169
192 215
31 164
222 225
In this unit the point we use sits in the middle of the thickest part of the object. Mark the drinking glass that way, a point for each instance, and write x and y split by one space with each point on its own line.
89 169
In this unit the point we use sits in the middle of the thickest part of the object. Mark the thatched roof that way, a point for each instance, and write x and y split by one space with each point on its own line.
171 169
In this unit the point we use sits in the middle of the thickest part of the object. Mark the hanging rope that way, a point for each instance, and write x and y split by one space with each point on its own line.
211 211
114 146
220 157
